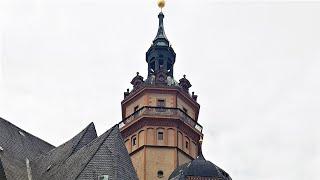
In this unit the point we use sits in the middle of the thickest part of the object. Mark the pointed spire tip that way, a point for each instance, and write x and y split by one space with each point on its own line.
200 155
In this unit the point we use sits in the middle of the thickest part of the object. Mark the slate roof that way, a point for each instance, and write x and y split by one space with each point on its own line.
21 144
85 156
13 168
199 168
105 155
58 156
2 175
18 145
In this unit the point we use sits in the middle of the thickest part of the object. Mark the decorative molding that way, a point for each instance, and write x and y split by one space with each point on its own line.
160 122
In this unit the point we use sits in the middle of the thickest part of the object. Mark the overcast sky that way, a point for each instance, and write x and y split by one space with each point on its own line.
254 64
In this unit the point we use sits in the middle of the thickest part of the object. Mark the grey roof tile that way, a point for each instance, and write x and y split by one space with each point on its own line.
2 174
104 155
111 158
85 156
13 168
199 168
57 156
18 145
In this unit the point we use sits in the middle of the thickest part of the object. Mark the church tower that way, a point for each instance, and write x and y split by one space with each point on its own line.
160 116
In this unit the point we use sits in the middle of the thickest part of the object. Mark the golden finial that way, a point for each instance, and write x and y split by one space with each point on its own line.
161 3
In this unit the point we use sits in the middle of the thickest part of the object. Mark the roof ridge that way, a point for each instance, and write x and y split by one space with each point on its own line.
24 131
85 130
74 148
104 139
52 159
84 133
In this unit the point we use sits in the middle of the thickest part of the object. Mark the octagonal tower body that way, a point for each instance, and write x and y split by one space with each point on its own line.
160 115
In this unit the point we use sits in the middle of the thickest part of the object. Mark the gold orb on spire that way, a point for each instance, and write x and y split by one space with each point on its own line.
161 3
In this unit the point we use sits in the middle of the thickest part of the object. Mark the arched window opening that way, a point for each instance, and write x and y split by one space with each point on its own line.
152 66
160 174
160 135
134 141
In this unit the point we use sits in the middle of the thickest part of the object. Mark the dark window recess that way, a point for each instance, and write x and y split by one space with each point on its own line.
169 66
187 144
185 110
136 108
160 174
161 103
160 135
134 141
135 111
161 64
153 66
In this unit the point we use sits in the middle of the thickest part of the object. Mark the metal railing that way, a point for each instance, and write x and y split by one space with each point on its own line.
161 111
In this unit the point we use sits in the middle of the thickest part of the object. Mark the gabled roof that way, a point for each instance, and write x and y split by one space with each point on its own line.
106 155
85 156
16 146
20 143
57 156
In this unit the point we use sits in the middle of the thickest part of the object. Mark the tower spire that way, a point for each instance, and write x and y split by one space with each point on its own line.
161 35
158 107
200 155
160 56
161 38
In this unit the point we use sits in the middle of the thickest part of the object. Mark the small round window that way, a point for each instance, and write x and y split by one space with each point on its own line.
160 174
